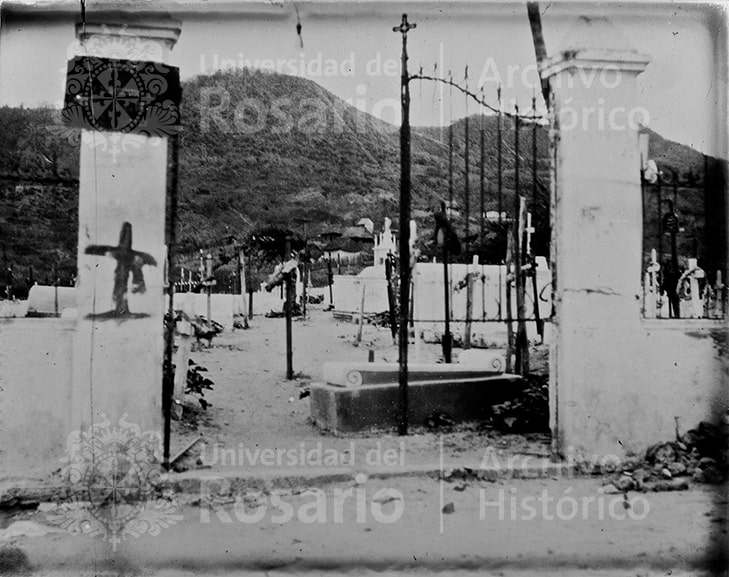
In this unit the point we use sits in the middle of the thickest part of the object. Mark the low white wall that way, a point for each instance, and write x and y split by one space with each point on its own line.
35 394
428 299
223 307
49 300
265 302
488 288
226 306
428 291
13 309
347 293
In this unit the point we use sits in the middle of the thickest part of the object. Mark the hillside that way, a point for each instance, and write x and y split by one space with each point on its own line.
262 150
295 153
38 197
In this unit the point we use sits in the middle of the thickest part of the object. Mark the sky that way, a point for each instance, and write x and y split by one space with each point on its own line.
352 51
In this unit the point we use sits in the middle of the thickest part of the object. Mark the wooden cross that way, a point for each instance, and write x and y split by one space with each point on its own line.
529 231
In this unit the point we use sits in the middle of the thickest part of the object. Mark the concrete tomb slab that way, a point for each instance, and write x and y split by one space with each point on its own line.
351 409
362 396
348 374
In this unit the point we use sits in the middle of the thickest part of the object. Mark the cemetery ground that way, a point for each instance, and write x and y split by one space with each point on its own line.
254 408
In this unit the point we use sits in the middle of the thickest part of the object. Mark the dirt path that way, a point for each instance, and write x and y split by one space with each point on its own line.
255 407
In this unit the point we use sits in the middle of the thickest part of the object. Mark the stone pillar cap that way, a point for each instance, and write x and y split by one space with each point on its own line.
595 43
151 25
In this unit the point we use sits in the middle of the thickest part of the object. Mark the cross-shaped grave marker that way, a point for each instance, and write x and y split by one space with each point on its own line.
530 230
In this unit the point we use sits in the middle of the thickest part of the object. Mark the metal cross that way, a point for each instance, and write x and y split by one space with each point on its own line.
404 240
405 26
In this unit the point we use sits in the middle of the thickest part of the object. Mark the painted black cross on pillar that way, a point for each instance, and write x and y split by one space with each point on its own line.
128 262
404 247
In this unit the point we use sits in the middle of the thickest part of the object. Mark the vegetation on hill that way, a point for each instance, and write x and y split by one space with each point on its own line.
38 199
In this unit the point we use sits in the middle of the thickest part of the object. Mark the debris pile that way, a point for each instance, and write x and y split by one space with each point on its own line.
528 411
478 340
381 319
296 311
700 455
437 420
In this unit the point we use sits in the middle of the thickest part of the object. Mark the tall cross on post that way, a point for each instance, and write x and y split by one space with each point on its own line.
404 247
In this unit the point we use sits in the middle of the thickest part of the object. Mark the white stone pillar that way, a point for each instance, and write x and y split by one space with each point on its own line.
117 365
596 232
